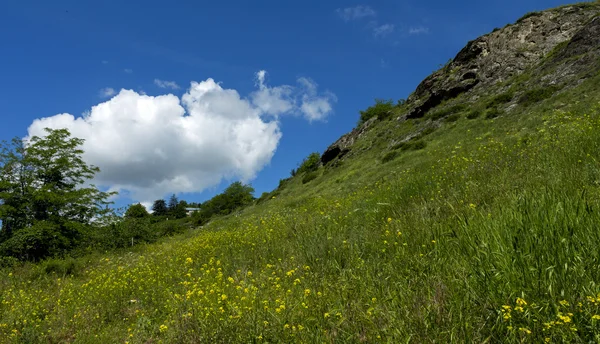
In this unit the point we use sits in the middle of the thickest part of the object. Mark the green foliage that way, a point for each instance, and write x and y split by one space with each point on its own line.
500 99
136 211
453 118
474 113
309 164
448 111
43 202
533 96
492 112
159 208
263 197
410 145
529 15
310 176
236 196
389 156
382 110
61 267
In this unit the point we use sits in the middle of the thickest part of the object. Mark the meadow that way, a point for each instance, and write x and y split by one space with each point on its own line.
488 233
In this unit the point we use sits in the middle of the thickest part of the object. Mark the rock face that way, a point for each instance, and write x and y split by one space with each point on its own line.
342 146
558 46
501 55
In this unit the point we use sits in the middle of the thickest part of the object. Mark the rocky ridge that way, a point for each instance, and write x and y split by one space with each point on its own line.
557 47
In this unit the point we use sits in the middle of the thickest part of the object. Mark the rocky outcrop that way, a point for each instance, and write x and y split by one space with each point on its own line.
501 55
341 147
555 47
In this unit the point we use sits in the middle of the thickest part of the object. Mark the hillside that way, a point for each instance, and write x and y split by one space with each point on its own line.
470 212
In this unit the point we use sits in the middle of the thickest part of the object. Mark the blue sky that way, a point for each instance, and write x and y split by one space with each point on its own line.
68 56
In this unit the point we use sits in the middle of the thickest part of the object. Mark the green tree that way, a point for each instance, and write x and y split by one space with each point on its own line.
137 211
173 202
44 199
237 195
159 208
179 212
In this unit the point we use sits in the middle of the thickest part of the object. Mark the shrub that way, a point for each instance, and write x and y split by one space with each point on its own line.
492 113
536 95
447 111
453 118
382 110
310 163
264 197
499 100
8 262
67 266
309 177
528 15
414 145
418 145
474 113
389 156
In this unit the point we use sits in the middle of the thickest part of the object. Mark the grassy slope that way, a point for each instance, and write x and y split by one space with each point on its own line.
490 232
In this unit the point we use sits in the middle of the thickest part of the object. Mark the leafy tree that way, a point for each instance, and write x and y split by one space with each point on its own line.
44 202
237 195
159 208
137 211
173 202
179 211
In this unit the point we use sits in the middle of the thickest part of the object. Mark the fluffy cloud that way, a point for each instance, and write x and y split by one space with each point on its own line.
150 146
383 30
354 13
166 84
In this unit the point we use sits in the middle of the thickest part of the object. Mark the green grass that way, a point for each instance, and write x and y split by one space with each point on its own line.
488 232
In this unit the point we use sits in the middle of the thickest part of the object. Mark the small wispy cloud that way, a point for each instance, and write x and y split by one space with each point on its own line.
383 63
128 71
107 92
418 30
166 84
104 62
354 13
383 30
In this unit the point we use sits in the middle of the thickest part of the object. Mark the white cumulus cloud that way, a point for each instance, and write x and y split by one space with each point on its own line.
356 12
166 84
106 92
151 146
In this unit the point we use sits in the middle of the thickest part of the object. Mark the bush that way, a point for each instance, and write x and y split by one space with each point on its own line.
64 267
264 197
309 177
389 156
43 239
499 100
8 262
492 113
418 145
447 111
414 145
382 110
474 113
536 95
309 164
453 118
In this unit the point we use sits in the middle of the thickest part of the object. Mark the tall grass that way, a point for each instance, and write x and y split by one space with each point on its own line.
492 239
